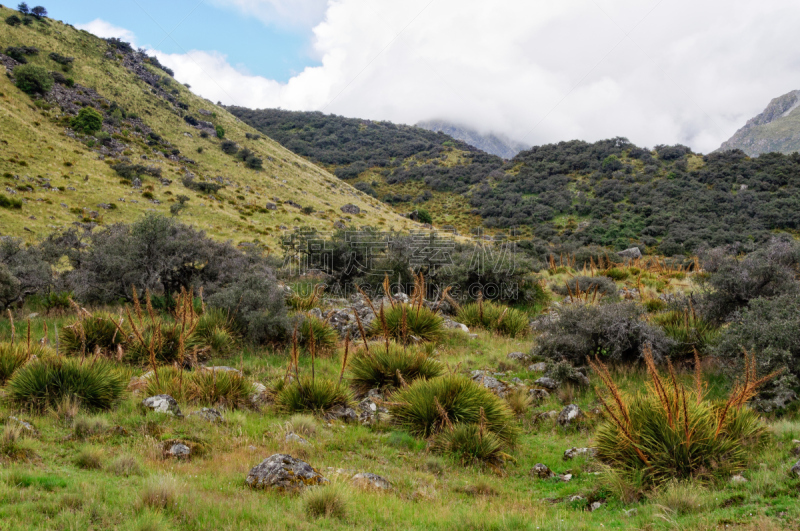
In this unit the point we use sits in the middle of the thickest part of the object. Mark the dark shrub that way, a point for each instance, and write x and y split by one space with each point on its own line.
23 8
366 188
6 202
424 216
88 121
732 282
220 131
191 120
13 20
19 53
229 147
60 59
615 331
201 186
131 171
33 79
23 271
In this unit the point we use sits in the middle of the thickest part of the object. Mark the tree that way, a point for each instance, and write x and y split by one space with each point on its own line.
33 79
39 12
424 216
88 121
23 8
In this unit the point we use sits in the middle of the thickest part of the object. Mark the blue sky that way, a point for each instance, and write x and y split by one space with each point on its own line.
275 51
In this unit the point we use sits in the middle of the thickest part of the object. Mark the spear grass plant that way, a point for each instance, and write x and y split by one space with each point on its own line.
390 368
495 317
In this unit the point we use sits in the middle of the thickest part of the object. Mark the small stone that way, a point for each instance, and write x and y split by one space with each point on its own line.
518 356
575 452
208 413
796 469
350 209
537 367
473 336
738 478
283 473
569 415
294 438
547 383
575 498
594 506
179 451
163 404
371 481
27 427
541 471
565 477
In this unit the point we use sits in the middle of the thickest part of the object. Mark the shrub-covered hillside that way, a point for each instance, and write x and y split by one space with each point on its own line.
93 131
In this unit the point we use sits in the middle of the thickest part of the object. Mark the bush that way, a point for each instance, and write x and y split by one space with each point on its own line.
88 121
13 20
325 336
614 331
426 407
165 341
406 320
576 286
424 216
94 333
383 368
220 131
472 444
214 331
308 395
45 382
6 202
60 59
33 79
229 147
204 187
12 357
495 317
19 53
688 332
24 271
219 388
671 432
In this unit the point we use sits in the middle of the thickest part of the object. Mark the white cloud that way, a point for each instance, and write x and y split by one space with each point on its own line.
106 30
306 13
538 71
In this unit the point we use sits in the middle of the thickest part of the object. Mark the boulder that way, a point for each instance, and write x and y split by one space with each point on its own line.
271 206
178 451
342 413
547 383
490 382
795 470
283 473
208 413
537 367
162 404
569 415
294 438
595 505
541 471
26 427
575 452
365 480
518 356
350 209
632 253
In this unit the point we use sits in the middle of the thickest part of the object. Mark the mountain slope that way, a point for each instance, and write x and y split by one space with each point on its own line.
775 129
491 143
162 135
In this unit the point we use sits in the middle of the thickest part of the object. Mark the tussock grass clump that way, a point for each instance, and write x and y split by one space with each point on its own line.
11 443
308 395
125 466
383 368
427 407
84 428
163 339
211 388
472 444
672 432
90 334
12 357
160 492
215 331
319 332
89 459
328 501
402 321
300 424
495 317
689 331
682 498
44 383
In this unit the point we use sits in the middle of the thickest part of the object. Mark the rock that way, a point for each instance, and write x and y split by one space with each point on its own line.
259 394
350 209
575 498
221 368
546 415
594 506
178 451
565 477
541 471
632 253
738 478
271 206
452 325
538 367
518 356
27 427
473 336
796 469
547 383
539 394
569 415
294 438
575 452
339 225
283 473
490 382
163 404
371 481
208 413
343 413
370 411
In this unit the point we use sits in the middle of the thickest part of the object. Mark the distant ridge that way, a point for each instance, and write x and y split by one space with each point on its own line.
499 145
775 129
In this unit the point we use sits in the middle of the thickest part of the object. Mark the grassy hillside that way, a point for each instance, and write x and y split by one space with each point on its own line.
62 176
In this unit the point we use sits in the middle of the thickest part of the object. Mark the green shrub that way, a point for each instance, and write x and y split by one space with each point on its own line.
93 333
13 20
12 357
219 388
88 121
10 202
406 320
426 407
308 395
424 216
45 382
671 432
220 131
495 317
325 336
214 331
229 147
379 368
33 79
472 444
688 332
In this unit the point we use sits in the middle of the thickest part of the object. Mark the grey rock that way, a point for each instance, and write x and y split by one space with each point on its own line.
541 471
350 209
594 506
27 427
370 411
519 356
371 481
539 394
342 413
179 451
259 394
575 452
796 469
163 404
569 415
490 382
547 383
738 478
283 473
575 498
453 325
473 336
294 438
208 413
632 253
565 477
271 206
538 367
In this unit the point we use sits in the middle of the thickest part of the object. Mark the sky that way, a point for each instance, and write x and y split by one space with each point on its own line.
537 71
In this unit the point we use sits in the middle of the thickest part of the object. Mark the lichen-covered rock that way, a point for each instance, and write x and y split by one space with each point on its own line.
518 356
538 367
569 415
162 404
208 413
490 382
294 438
541 471
283 473
350 209
547 383
574 452
632 253
342 413
371 481
26 427
178 451
796 469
